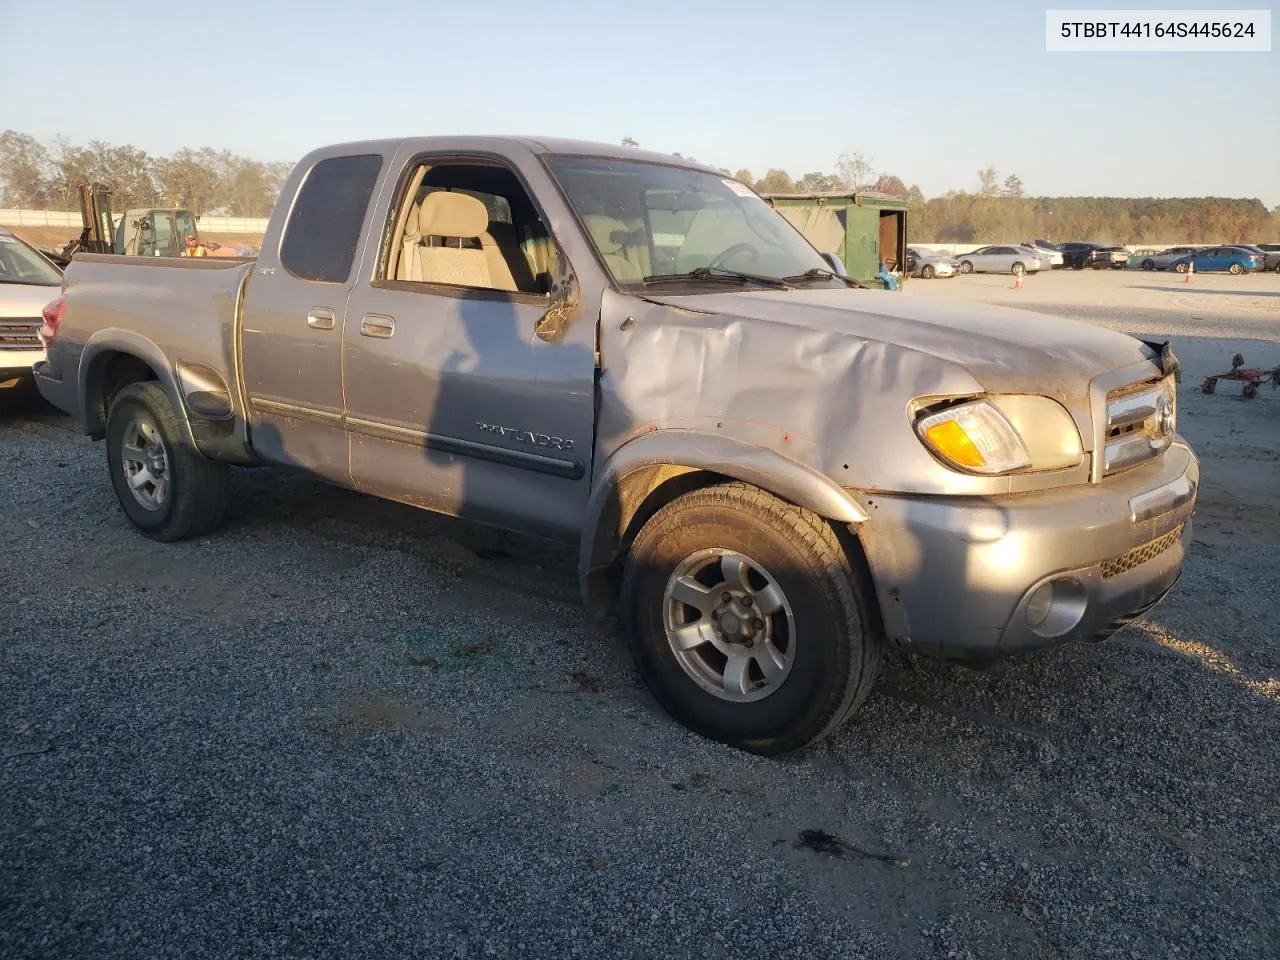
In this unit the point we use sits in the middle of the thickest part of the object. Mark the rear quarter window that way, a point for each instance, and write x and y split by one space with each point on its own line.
323 231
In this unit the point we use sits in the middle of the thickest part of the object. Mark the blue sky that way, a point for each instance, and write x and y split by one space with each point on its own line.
929 91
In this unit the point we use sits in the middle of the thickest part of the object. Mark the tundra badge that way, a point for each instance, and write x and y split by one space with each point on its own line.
526 436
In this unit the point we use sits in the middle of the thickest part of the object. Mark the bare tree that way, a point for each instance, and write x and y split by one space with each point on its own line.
855 170
988 180
24 170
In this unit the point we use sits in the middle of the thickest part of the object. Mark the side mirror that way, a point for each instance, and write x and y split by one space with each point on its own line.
553 323
837 266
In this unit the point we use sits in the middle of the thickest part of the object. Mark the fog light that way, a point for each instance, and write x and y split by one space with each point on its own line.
1039 605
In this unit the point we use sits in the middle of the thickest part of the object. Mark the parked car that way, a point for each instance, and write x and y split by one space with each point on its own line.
473 325
1231 259
928 264
1078 254
1162 259
1000 258
1270 258
1047 250
27 282
1113 257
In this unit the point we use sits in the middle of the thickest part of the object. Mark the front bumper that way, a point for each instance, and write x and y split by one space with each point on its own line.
956 576
19 363
55 390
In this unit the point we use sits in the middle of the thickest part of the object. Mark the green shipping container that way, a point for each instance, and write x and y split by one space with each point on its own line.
862 229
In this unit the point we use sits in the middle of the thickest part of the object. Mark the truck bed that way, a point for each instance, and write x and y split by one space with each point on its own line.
176 313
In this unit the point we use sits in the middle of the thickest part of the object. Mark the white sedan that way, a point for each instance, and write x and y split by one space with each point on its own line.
1002 259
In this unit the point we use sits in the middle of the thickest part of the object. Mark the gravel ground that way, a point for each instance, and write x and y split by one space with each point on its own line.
342 727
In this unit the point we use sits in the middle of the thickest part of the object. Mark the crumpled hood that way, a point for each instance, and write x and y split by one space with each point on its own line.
1004 349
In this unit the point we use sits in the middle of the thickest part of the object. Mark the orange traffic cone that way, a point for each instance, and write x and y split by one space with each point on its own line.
1191 268
1017 281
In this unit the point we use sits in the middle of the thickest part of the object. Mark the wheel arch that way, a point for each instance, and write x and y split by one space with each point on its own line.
112 360
652 470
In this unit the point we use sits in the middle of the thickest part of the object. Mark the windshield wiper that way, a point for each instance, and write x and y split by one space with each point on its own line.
721 275
817 273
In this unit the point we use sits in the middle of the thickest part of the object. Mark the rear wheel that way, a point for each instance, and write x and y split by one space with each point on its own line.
1148 264
1235 268
747 620
165 487
1018 269
926 272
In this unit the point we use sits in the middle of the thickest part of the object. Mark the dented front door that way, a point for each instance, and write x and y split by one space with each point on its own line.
453 403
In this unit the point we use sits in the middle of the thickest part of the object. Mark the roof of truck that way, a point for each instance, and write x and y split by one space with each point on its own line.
536 144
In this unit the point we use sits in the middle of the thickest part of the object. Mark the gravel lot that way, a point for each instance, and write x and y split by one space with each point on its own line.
346 728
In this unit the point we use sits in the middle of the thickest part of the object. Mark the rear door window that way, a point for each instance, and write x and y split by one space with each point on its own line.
323 231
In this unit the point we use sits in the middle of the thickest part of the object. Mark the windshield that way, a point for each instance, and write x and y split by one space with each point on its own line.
20 264
649 219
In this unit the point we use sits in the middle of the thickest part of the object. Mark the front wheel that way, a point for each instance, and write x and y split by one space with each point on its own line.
748 621
1181 268
165 486
926 272
1148 264
966 266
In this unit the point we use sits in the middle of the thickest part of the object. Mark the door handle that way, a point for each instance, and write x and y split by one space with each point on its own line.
320 318
376 325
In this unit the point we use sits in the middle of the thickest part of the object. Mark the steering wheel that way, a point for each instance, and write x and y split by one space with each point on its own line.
736 248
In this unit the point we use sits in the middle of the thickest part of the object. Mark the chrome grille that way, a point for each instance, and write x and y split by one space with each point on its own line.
1141 422
1140 555
21 334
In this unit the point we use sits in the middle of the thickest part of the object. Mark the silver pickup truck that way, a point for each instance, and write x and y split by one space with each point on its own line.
770 473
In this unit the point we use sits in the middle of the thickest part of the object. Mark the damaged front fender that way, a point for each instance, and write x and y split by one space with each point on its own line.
639 467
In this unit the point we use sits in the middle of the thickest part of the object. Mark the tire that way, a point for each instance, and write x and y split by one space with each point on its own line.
1017 269
1078 265
1148 264
966 266
823 608
1236 269
1181 268
926 272
1278 268
186 495
1249 391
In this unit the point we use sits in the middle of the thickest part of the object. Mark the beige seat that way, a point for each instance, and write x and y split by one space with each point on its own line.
457 217
622 244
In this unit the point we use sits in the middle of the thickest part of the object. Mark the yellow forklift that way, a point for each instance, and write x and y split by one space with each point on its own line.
143 232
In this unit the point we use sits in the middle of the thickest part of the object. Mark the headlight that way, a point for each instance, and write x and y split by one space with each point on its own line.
975 437
1004 433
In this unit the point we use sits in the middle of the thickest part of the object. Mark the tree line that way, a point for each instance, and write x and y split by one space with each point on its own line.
40 176
45 176
999 211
